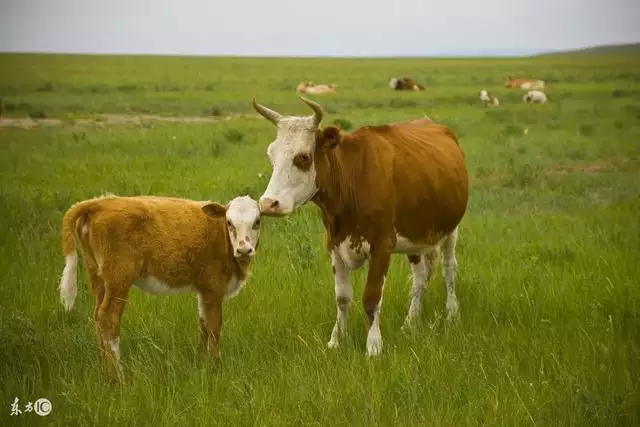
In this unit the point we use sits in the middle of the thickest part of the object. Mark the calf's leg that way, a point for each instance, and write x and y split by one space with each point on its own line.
108 321
211 322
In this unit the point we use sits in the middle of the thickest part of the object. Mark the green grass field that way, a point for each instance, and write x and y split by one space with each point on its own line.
549 278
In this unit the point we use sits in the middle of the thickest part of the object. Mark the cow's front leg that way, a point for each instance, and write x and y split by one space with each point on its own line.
372 300
344 296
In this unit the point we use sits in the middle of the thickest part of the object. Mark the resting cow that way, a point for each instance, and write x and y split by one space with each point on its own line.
309 87
405 83
524 84
400 188
161 245
488 99
535 97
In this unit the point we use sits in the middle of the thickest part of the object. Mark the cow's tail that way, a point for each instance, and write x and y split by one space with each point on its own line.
72 223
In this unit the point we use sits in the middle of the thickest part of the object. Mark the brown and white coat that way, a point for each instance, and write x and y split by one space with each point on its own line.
162 245
396 188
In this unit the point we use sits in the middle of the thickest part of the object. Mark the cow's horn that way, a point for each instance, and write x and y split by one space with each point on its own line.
317 110
267 113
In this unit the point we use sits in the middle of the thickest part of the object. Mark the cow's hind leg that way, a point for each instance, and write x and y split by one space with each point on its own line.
449 267
422 266
344 296
108 319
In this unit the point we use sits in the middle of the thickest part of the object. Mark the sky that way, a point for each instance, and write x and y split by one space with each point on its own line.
304 28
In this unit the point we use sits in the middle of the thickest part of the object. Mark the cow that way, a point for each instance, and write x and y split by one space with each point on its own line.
535 97
524 84
161 245
488 99
405 83
310 88
395 188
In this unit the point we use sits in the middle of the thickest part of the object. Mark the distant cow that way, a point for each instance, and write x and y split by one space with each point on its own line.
535 97
405 83
488 99
394 188
309 87
524 84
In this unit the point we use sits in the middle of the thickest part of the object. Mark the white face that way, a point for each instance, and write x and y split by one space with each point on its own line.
243 223
293 180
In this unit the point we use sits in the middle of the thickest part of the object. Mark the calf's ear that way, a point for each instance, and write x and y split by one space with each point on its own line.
215 210
329 137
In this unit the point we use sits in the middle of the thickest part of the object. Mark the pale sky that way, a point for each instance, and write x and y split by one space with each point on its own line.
322 28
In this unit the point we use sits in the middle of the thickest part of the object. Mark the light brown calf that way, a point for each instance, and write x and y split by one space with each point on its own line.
161 245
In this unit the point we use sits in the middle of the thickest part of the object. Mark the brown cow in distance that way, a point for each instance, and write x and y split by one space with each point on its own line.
405 83
524 84
314 89
396 188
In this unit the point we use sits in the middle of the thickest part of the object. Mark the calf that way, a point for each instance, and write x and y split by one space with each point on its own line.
487 99
535 96
161 245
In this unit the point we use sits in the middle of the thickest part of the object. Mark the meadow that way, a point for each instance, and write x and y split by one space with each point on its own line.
549 271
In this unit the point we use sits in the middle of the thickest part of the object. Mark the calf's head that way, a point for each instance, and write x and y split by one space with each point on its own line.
243 223
293 179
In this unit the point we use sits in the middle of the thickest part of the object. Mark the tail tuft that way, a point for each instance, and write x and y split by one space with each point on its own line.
68 282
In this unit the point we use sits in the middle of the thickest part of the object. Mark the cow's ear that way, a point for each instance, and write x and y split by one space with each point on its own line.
329 137
215 210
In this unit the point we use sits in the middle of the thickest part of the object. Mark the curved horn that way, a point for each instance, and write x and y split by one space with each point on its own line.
273 116
317 110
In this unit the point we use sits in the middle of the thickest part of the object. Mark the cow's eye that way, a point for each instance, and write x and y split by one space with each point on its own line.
302 161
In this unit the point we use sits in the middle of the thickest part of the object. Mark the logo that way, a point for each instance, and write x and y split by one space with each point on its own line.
42 407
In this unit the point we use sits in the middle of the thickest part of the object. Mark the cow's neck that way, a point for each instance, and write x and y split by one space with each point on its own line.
336 182
237 267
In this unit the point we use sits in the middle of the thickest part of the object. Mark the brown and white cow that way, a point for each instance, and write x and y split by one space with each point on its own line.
396 188
488 99
162 245
405 83
309 87
524 84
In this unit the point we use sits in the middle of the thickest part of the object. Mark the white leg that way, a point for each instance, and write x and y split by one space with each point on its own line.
421 268
449 267
344 296
374 337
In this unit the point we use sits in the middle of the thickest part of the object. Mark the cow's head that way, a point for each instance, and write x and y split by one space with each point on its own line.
509 83
243 224
293 180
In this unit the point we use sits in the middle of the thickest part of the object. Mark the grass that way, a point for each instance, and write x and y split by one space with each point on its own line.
549 277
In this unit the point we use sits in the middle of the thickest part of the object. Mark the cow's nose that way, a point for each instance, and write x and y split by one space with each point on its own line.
269 206
244 249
